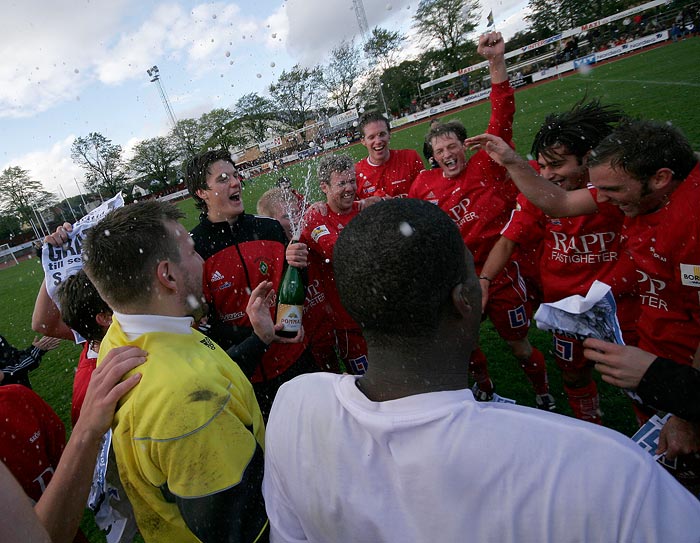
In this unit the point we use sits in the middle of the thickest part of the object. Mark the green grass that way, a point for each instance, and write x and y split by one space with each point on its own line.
660 84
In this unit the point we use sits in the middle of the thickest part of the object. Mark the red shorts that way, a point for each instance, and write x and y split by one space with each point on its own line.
509 307
568 353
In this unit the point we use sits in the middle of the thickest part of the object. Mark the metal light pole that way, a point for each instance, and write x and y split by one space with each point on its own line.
364 30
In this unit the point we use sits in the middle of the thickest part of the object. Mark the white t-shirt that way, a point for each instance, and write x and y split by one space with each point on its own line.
442 467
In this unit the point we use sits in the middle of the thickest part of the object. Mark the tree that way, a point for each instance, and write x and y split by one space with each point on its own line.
189 136
296 94
547 17
383 46
222 129
447 24
400 84
10 226
19 194
154 158
102 161
341 75
255 114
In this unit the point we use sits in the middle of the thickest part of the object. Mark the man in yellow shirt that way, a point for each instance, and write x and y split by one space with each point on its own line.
189 440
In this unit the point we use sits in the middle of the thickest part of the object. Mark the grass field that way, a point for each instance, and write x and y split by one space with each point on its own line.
661 84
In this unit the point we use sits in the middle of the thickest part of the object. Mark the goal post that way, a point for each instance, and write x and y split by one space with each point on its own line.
7 256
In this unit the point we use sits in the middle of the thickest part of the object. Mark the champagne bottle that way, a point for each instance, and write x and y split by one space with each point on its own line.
290 302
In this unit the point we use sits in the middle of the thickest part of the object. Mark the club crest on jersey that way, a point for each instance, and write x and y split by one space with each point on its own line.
517 317
690 275
564 349
318 232
263 267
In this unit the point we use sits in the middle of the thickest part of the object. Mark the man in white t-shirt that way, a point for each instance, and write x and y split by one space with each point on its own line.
405 453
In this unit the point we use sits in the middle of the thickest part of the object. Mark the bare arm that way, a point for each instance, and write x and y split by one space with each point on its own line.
498 258
46 318
550 198
61 506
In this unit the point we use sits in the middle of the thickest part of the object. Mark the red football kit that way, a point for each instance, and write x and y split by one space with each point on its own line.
393 178
86 365
480 201
665 249
320 234
32 438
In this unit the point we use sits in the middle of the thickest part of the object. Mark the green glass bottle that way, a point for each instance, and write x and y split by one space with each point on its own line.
290 302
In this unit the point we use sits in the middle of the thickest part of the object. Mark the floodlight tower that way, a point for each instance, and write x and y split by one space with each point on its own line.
364 31
154 74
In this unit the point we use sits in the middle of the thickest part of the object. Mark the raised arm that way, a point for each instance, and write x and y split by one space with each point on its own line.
550 198
493 48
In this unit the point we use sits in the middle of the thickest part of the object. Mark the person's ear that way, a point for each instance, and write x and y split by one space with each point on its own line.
202 193
104 319
661 179
165 275
460 300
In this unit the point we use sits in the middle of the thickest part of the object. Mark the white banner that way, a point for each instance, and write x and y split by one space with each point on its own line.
601 55
64 261
342 118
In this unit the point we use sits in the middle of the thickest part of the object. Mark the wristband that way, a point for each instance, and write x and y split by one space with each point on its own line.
485 278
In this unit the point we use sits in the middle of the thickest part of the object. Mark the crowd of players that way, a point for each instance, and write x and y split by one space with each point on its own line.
375 423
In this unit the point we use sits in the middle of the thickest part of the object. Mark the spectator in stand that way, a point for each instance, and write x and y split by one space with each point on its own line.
336 176
15 365
478 195
650 172
241 253
32 442
404 453
569 253
384 172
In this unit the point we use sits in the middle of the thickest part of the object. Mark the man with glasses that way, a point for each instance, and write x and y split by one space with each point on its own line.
241 252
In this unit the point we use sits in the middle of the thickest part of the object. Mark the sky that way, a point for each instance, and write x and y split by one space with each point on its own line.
71 68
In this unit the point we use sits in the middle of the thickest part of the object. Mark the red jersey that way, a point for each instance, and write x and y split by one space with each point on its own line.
481 198
320 234
665 249
86 365
576 250
32 438
393 178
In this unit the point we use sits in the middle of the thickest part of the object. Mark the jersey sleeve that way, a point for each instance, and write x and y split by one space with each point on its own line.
502 111
526 224
318 234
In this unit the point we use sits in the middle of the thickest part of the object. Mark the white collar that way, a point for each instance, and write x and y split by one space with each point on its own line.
377 165
135 325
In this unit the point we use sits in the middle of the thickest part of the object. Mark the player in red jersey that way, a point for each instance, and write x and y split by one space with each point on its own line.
650 172
478 195
384 172
336 175
287 208
575 251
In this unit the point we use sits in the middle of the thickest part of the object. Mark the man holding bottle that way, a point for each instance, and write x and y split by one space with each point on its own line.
240 252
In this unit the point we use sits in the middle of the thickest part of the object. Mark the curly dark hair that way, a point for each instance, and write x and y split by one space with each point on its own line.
578 130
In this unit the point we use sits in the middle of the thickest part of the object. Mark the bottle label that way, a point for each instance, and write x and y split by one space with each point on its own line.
290 317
